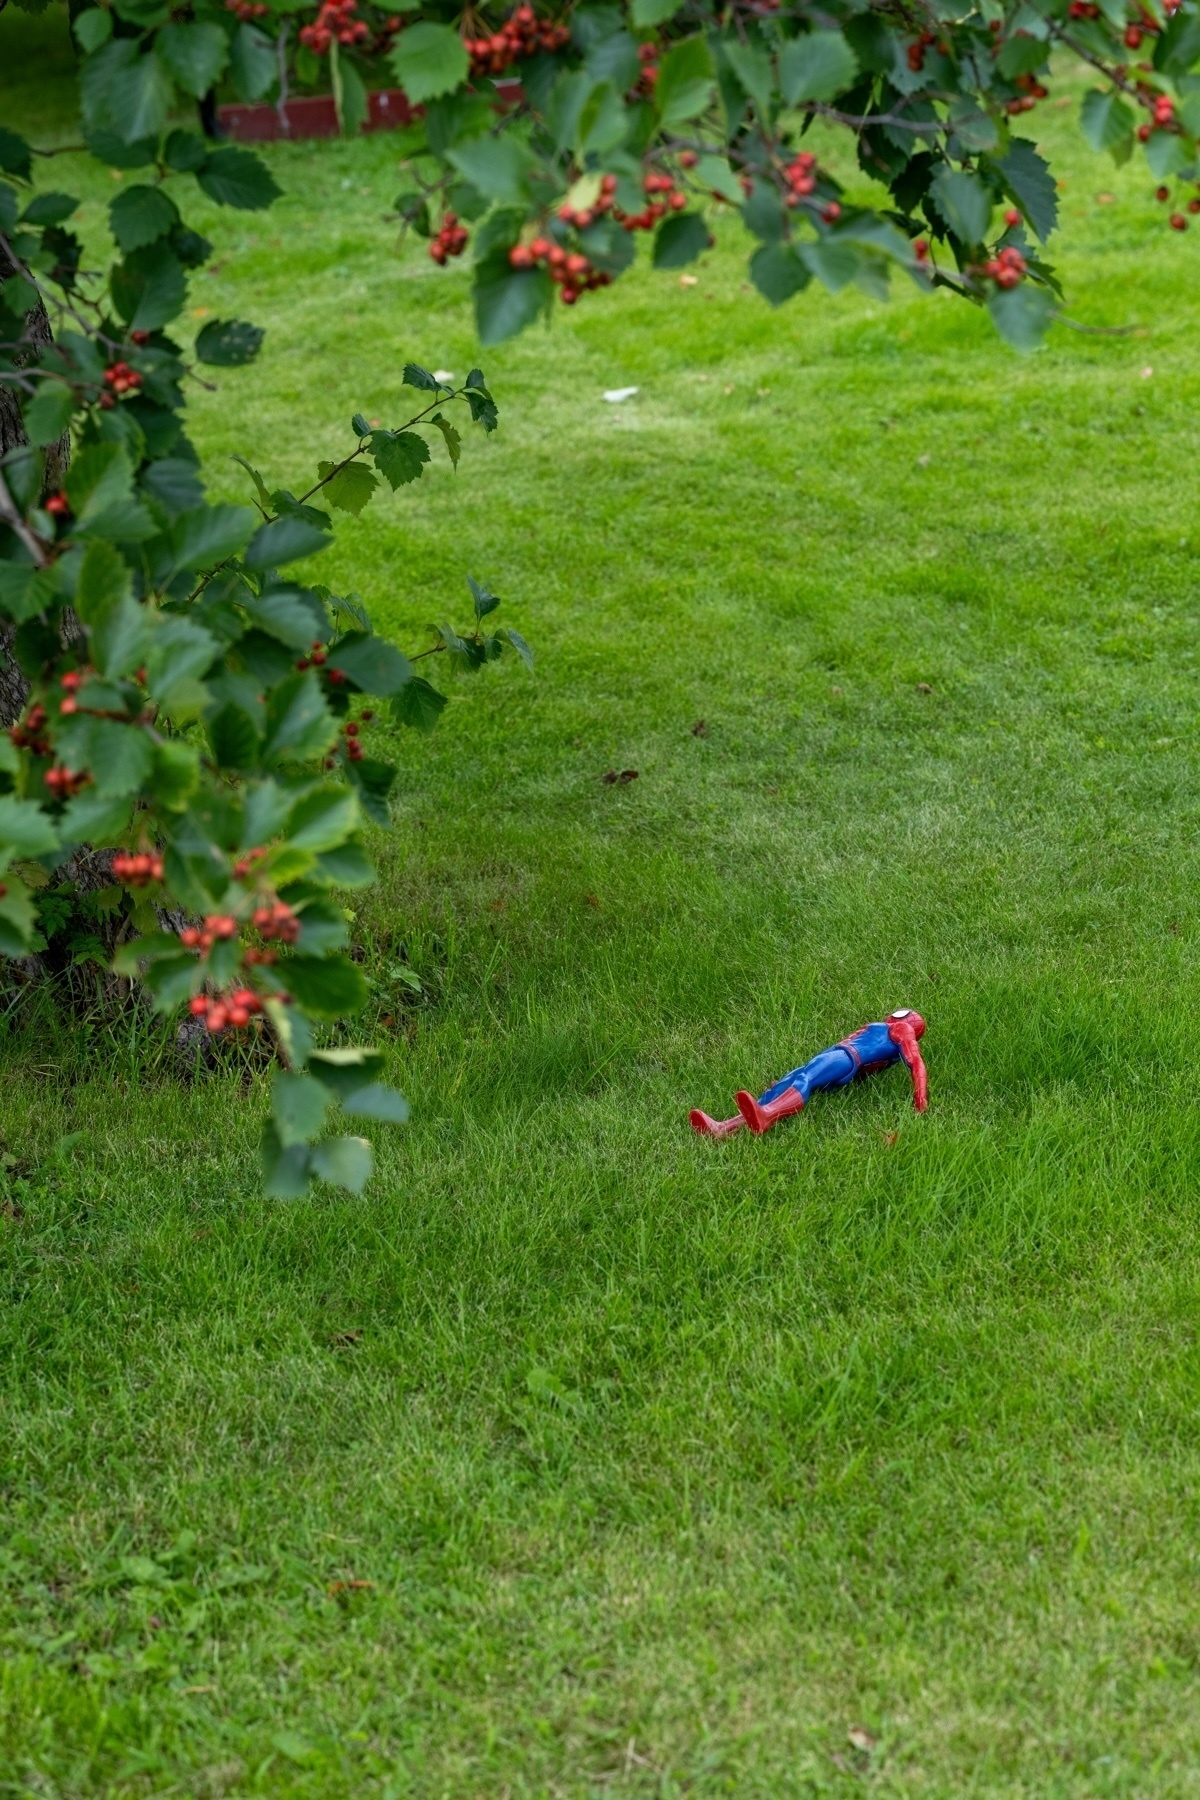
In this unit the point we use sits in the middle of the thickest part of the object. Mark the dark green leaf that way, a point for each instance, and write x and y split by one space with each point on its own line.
185 151
451 436
209 534
283 541
498 168
141 215
483 407
777 272
964 203
418 704
817 66
373 665
1028 177
485 603
253 67
506 301
227 343
685 81
292 615
298 1107
416 377
323 819
299 724
233 738
1022 315
237 178
49 412
399 456
49 209
15 154
350 489
679 240
1106 121
752 66
328 987
519 645
149 287
92 28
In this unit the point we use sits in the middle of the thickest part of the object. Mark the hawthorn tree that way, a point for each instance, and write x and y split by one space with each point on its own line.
183 712
647 117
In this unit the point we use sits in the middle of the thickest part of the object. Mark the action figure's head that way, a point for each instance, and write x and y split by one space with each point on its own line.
907 1016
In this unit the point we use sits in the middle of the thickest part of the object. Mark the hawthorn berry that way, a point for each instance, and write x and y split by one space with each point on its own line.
1012 217
1162 193
1177 222
57 505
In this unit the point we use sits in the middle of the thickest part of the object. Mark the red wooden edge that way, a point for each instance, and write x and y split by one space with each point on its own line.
315 116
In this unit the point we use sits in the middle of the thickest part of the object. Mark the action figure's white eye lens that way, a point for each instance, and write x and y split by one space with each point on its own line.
905 1012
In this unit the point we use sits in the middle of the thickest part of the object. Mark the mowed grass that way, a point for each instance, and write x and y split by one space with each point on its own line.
863 1456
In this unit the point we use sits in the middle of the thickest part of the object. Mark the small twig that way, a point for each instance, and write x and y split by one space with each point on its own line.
10 516
1094 330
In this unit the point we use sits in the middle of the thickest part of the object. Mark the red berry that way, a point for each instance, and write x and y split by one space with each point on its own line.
1178 222
1162 193
1012 216
521 256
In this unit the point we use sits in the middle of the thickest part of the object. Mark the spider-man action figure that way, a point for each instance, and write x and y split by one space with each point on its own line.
871 1047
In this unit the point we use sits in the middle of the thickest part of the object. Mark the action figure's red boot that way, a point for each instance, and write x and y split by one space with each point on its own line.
718 1128
761 1118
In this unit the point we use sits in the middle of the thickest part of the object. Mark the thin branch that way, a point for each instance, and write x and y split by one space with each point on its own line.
10 516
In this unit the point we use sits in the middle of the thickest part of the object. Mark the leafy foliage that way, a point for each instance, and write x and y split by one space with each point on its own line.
195 707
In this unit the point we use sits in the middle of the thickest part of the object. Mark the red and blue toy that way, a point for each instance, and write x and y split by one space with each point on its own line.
872 1047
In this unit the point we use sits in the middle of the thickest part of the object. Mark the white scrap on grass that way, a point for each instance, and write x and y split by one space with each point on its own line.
615 395
444 376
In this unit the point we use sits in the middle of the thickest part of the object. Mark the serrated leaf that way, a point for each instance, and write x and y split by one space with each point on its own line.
451 436
679 240
485 603
817 66
350 489
327 987
345 1162
752 66
298 1107
253 66
233 738
195 55
299 724
685 81
49 412
964 203
373 665
519 645
1022 315
323 819
399 456
506 301
1029 179
418 704
228 343
206 535
415 376
283 541
1106 121
25 830
778 272
498 168
116 624
429 59
237 178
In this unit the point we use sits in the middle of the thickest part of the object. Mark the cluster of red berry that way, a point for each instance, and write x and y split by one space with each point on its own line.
1083 9
335 20
655 209
64 782
245 864
217 927
524 34
570 270
1177 221
1007 268
277 921
648 55
316 659
583 216
800 176
28 735
71 681
233 1013
137 870
1164 113
916 52
1033 92
451 240
120 379
245 10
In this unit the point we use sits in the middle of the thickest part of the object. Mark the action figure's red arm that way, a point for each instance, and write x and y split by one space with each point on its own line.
905 1038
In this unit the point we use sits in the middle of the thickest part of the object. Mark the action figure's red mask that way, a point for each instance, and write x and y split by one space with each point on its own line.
907 1016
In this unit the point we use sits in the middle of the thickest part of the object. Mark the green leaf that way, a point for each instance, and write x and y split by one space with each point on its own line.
185 151
519 645
1106 122
498 167
348 866
418 704
116 623
233 738
1168 154
414 376
778 272
964 203
1029 179
508 299
347 1070
228 343
345 1162
25 591
603 121
752 66
253 67
477 397
286 1168
49 412
1022 54
92 28
141 215
292 615
1177 48
323 819
149 287
328 987
373 665
49 209
25 830
144 97
428 60
119 757
834 264
1022 315
715 174
195 55
99 477
685 81
818 66
299 724
283 541
645 13
350 489
175 775
375 1101
451 436
485 603
209 534
349 94
298 1107
399 456
238 178
679 240
16 158
18 920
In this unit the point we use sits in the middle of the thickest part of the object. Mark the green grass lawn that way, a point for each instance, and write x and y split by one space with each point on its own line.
861 1457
